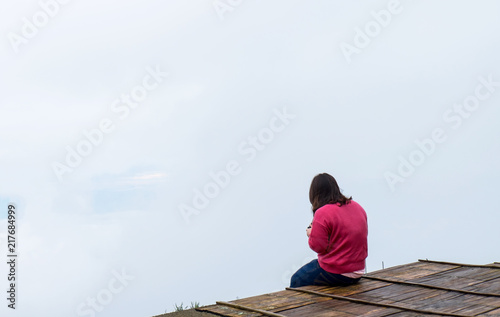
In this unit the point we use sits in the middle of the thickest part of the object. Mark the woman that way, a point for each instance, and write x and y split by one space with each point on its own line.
338 234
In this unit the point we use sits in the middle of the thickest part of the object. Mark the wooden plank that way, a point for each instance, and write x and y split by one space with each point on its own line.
428 299
382 312
227 311
342 308
434 301
474 310
254 310
462 304
359 301
391 294
322 309
410 314
357 309
438 267
475 273
423 300
411 271
495 312
493 302
362 286
278 301
494 266
394 281
457 283
491 286
273 302
453 303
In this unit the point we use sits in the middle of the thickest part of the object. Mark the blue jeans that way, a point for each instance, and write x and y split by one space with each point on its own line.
313 274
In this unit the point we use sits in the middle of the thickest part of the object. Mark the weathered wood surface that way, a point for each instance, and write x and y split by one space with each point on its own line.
424 288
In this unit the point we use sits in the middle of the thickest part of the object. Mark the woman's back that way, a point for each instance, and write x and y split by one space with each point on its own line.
339 236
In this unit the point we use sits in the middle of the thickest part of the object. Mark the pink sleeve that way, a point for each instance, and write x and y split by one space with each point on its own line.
320 234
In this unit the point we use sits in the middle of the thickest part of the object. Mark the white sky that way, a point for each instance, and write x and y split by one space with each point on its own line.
119 208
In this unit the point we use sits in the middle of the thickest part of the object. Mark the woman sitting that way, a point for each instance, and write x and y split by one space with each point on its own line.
338 233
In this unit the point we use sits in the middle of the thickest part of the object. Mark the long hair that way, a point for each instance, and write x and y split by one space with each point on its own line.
325 190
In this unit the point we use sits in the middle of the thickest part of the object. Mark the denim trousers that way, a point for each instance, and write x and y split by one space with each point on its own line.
313 274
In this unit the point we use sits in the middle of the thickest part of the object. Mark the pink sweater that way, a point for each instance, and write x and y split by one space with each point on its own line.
339 236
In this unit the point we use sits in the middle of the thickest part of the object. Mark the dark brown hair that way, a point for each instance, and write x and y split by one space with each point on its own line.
325 190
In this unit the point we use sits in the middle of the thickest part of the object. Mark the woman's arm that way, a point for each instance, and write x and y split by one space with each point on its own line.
319 236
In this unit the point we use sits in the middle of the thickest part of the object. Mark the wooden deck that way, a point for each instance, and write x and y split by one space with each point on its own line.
424 288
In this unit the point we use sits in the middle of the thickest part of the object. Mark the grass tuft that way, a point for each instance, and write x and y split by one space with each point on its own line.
181 307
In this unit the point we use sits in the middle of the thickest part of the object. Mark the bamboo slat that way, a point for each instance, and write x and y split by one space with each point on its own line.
255 310
462 264
429 286
365 302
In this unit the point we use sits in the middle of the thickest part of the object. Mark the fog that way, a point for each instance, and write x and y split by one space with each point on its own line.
161 152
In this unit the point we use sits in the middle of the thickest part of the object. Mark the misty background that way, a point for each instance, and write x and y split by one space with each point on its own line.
357 112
